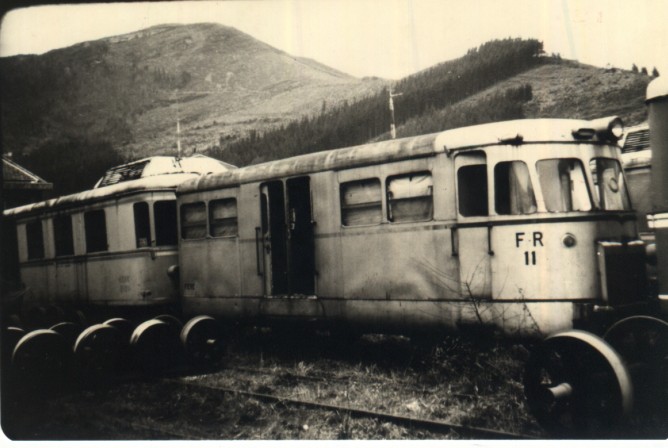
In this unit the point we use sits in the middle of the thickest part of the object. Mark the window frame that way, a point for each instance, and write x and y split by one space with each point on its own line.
390 201
35 242
485 188
584 178
508 183
145 223
58 230
88 235
362 205
159 229
599 197
204 222
218 221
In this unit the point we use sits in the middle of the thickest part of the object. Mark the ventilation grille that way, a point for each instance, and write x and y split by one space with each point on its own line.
123 173
636 141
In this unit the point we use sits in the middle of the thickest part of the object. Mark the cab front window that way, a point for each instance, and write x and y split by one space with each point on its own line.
610 190
564 185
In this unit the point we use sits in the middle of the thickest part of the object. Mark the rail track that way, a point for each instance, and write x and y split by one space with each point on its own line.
434 426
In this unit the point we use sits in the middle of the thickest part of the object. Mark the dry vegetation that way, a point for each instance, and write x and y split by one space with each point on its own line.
456 380
464 381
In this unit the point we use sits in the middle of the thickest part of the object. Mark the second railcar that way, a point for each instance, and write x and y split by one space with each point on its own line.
106 250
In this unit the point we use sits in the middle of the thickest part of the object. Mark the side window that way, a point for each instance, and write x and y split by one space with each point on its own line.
193 221
62 231
95 227
409 198
166 232
472 190
361 203
223 217
142 224
513 191
35 239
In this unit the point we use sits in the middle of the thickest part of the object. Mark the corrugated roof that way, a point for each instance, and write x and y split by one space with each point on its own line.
14 175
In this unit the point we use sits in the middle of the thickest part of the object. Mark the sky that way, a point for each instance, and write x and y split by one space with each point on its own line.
386 38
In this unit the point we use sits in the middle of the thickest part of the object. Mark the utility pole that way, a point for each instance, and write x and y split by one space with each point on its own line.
178 127
393 130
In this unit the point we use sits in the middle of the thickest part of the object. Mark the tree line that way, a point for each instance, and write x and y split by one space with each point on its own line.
354 123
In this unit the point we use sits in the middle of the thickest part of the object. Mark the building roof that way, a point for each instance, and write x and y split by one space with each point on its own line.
14 176
636 138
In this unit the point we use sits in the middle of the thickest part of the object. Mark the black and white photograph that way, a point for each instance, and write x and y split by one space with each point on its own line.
371 221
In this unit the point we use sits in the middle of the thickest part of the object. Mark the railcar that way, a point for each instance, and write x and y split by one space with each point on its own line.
657 100
522 227
106 250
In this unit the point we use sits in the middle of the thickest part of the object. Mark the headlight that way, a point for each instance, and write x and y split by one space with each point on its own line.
569 240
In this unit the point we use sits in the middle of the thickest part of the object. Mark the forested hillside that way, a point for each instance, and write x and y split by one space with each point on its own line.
500 80
421 93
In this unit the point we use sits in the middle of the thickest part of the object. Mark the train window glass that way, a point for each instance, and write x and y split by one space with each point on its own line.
409 198
95 227
361 203
62 232
609 186
166 232
35 239
193 220
513 191
472 190
142 224
564 185
223 217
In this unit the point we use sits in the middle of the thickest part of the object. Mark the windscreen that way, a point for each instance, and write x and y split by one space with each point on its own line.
564 185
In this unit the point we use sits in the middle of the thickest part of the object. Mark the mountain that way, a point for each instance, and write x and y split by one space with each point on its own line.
130 90
500 80
71 113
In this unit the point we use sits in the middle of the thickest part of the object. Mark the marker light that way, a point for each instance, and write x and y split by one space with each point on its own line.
569 240
607 129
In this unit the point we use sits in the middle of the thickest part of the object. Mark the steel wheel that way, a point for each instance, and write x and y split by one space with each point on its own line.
201 338
577 385
642 341
10 337
156 346
68 330
41 358
639 339
98 351
124 327
169 319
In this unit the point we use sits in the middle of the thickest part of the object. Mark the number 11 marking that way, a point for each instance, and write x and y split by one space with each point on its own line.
531 261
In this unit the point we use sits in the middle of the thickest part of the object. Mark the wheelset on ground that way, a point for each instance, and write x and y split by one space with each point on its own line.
580 385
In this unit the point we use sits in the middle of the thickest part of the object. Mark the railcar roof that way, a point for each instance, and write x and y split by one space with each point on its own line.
154 183
657 88
531 130
159 165
156 173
